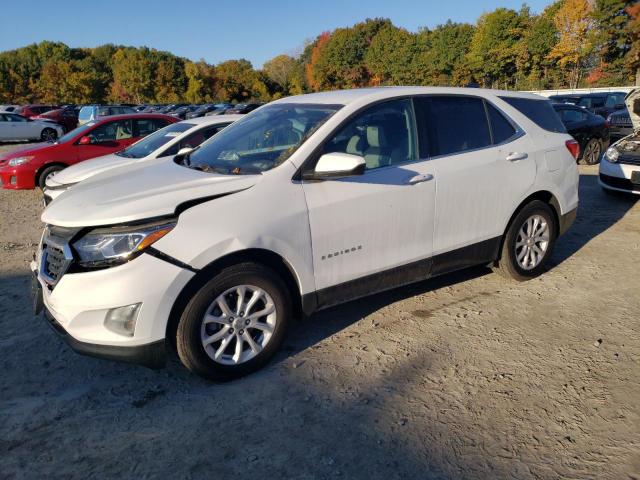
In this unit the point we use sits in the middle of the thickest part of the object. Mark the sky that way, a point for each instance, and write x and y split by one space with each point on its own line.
220 30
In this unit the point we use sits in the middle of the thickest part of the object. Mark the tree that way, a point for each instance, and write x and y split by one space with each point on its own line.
574 48
315 51
443 52
493 52
132 76
391 59
632 57
286 73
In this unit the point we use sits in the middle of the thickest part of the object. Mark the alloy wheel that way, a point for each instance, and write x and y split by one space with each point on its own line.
238 325
532 242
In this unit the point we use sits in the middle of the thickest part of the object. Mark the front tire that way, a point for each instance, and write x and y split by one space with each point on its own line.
528 242
48 135
235 323
46 173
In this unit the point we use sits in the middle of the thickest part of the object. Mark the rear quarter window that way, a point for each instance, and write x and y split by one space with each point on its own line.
539 112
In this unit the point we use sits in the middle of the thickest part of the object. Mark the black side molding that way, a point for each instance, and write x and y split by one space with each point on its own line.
479 253
152 355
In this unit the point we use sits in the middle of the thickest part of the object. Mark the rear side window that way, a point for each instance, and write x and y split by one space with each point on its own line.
145 126
501 128
451 124
539 112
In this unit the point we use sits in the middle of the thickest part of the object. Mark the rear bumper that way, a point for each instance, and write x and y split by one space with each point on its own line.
151 355
567 220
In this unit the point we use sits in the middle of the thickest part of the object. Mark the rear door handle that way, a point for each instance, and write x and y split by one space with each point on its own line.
515 156
425 177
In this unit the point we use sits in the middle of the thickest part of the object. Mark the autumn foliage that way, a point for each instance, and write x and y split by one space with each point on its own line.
570 43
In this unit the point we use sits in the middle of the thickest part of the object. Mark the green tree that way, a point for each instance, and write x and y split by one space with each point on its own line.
494 47
132 76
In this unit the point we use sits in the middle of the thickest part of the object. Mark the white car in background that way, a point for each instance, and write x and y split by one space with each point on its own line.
620 165
15 127
305 203
165 142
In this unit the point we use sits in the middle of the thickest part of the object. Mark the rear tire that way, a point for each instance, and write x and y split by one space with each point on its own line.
46 173
528 243
592 151
48 135
217 339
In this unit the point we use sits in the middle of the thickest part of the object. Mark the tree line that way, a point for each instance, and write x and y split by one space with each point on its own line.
572 43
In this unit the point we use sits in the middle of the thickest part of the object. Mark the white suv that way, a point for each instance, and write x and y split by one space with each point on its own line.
307 202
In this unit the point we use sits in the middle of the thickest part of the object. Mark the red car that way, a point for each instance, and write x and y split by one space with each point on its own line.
29 167
29 111
67 117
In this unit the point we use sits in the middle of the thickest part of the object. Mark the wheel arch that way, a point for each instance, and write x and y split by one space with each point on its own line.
44 167
261 256
542 195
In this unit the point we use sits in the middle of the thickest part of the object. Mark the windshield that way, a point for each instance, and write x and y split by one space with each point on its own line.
157 139
77 131
262 140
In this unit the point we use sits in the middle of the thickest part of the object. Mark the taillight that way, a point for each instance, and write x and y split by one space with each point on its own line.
574 148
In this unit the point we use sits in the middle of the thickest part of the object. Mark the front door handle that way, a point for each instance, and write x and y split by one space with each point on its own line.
515 156
425 177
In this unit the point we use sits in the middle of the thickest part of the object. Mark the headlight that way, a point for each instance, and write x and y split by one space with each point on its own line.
111 246
14 162
612 154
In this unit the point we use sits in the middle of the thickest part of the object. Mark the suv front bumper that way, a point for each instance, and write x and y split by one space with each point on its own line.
77 305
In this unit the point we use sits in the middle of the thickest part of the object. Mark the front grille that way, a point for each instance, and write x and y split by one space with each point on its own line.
629 159
55 262
617 182
620 121
56 255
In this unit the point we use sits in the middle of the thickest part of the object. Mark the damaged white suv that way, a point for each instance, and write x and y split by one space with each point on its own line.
305 203
620 165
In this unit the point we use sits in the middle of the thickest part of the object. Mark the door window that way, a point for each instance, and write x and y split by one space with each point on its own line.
15 118
112 131
384 135
145 126
570 115
501 128
452 124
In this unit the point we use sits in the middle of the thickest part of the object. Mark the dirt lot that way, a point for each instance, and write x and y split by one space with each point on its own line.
464 376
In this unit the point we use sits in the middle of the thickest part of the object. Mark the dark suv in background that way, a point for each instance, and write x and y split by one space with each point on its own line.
601 103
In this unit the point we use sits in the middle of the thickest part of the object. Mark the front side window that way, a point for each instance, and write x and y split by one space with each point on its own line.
16 118
614 99
384 135
154 141
112 131
452 124
262 140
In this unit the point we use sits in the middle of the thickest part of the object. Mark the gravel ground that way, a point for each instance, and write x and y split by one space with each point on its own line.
464 376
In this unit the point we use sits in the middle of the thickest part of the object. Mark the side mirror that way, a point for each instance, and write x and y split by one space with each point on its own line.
337 165
184 151
86 140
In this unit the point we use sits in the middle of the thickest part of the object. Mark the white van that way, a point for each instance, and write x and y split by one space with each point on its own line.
305 203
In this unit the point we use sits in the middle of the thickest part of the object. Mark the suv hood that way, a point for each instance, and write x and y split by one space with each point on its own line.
139 192
632 101
88 168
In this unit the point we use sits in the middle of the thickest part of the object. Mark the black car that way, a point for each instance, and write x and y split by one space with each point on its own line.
182 112
590 131
620 124
243 108
203 110
601 103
